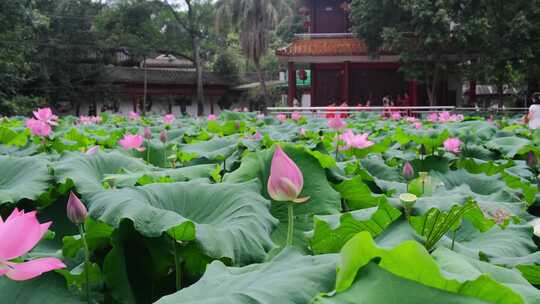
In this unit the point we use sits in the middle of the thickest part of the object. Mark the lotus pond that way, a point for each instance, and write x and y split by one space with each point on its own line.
245 209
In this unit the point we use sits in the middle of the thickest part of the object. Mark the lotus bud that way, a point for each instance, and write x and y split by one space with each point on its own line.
286 180
147 133
93 150
76 211
163 136
532 160
408 171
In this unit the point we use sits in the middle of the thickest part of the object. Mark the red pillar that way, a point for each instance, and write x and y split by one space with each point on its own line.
313 92
292 83
346 82
413 93
472 92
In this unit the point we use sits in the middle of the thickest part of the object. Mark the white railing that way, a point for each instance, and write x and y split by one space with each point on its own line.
412 110
340 110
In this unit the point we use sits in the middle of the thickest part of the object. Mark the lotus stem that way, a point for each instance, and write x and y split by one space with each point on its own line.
290 228
86 262
148 152
177 266
454 233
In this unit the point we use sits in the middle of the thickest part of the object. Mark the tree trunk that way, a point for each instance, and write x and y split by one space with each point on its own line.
143 108
431 87
266 95
199 71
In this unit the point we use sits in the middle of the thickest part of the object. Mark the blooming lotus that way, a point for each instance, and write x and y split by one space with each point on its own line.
46 115
302 132
452 145
281 117
433 117
38 127
355 141
134 115
168 119
395 116
212 117
336 123
19 233
286 180
130 141
411 119
418 125
445 116
296 116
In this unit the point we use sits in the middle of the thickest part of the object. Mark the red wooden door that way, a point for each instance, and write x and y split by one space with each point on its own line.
329 17
328 86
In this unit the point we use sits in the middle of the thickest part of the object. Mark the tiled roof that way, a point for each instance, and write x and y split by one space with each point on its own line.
117 74
324 47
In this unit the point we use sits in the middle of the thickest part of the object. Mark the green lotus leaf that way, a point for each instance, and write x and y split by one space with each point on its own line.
23 178
87 171
287 279
224 220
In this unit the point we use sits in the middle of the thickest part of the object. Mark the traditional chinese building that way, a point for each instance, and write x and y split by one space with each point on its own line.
341 68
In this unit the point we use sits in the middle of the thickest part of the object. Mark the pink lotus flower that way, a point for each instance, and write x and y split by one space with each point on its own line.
286 180
452 145
134 115
395 116
38 127
89 120
132 142
168 119
336 123
355 141
433 117
457 118
281 117
246 109
211 117
46 115
444 116
93 150
76 210
296 116
302 132
418 125
19 234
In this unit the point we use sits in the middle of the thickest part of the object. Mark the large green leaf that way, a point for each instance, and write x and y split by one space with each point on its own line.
323 198
411 261
179 175
376 285
510 146
225 220
331 232
23 178
87 171
218 148
289 278
48 288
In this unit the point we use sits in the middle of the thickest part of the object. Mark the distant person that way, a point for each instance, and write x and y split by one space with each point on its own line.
533 117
